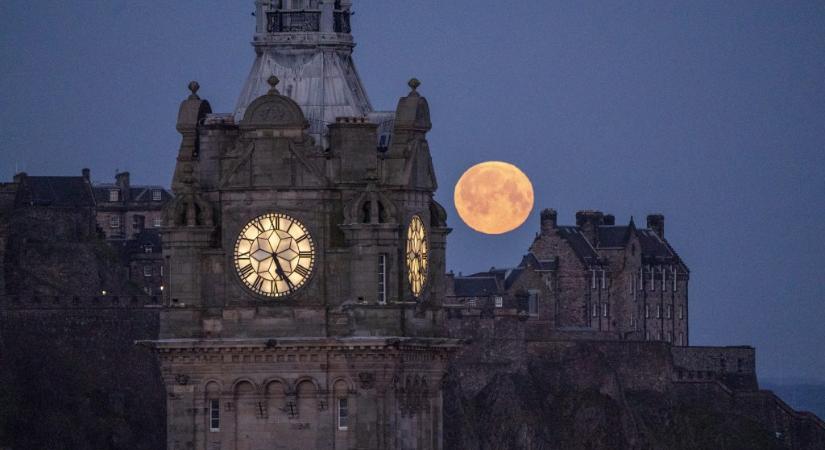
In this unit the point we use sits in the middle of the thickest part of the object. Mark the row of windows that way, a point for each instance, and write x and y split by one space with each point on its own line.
598 279
114 195
114 222
342 416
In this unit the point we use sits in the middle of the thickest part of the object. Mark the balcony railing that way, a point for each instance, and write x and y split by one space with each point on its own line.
288 22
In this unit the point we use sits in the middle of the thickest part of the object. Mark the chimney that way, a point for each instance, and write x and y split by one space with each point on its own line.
548 221
589 222
656 222
122 182
609 219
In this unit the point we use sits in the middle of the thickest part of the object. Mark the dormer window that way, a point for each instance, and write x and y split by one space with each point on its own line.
114 195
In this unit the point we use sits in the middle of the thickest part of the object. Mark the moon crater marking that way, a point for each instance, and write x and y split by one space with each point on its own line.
493 197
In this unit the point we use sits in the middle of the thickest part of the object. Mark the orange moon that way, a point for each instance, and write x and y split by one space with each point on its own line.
493 197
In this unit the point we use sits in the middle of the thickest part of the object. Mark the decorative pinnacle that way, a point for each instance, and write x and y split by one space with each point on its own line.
413 84
193 87
273 81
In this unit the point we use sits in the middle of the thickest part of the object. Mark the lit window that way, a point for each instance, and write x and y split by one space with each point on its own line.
499 301
343 414
114 195
156 222
604 309
114 222
156 195
382 278
214 415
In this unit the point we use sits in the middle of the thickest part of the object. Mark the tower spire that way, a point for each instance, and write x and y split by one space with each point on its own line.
307 45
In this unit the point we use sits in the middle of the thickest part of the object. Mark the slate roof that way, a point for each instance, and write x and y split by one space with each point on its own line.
58 192
613 236
580 245
475 286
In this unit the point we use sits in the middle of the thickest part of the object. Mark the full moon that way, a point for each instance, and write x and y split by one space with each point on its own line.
493 197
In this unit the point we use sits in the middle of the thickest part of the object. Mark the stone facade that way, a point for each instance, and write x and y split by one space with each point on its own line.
621 281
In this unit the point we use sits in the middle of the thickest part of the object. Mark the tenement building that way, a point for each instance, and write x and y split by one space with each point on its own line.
625 282
305 256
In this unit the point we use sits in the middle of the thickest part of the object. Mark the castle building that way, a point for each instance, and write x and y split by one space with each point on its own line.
304 255
620 281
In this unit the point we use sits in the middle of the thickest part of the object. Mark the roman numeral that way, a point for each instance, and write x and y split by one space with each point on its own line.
246 270
302 271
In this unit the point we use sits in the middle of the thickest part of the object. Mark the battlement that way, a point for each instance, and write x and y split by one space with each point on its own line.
44 302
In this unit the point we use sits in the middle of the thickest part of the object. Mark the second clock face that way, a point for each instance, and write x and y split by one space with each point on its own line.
274 255
416 255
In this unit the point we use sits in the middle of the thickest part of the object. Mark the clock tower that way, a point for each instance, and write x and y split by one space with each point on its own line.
304 256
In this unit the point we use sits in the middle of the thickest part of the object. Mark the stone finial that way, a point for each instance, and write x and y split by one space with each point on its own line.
413 84
273 82
193 87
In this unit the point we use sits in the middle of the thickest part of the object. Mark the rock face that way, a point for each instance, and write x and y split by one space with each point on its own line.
504 390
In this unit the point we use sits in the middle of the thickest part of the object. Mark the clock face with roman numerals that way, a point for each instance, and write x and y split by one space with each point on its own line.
417 255
274 255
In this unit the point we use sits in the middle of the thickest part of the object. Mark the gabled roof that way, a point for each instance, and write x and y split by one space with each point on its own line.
612 236
59 192
580 245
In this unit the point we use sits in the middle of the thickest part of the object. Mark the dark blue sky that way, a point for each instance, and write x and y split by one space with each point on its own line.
710 112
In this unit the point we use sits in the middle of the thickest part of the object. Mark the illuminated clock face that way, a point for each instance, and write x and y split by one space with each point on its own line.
274 255
417 255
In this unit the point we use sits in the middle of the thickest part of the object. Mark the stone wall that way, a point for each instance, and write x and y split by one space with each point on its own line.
72 378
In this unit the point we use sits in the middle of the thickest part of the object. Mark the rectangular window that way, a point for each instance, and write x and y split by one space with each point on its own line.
533 306
604 309
114 222
343 414
156 195
147 271
499 301
214 415
664 275
156 222
604 280
114 195
673 276
382 278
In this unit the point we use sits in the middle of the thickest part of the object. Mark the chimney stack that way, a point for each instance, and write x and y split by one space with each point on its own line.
122 182
656 222
548 221
589 222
